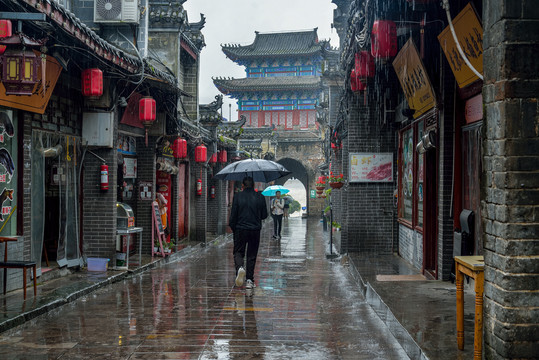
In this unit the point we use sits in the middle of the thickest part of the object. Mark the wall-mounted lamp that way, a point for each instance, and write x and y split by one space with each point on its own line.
427 142
19 64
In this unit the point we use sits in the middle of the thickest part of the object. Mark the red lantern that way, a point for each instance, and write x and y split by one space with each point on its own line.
5 31
364 65
146 113
200 154
213 158
179 148
146 107
356 84
384 39
353 80
222 156
92 82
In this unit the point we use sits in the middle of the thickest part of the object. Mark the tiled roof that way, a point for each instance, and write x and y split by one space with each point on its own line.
76 29
276 44
268 83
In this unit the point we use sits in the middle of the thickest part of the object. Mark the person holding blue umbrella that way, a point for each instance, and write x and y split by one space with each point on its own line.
277 210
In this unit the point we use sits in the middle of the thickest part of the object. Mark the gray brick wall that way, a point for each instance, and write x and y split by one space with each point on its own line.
510 186
213 205
410 246
146 171
198 223
367 207
99 207
445 177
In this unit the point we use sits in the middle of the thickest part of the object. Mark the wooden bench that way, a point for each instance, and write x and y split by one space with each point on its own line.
16 264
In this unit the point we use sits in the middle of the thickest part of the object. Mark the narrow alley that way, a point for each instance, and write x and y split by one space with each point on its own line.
304 307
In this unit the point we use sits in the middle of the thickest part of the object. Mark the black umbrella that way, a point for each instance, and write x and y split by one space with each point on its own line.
260 170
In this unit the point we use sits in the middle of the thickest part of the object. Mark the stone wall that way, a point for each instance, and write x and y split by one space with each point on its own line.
510 184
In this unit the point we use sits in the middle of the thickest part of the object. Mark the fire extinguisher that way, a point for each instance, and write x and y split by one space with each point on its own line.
212 192
104 177
199 186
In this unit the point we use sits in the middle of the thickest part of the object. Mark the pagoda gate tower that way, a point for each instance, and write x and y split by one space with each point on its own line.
283 83
278 100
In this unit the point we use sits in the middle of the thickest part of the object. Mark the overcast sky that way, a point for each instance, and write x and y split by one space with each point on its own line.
235 22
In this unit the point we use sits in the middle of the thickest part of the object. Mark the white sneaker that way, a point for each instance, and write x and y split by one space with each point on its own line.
240 278
250 284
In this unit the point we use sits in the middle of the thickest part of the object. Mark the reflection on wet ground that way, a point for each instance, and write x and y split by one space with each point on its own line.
305 307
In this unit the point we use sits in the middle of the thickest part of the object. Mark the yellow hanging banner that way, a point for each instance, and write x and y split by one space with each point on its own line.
414 79
470 36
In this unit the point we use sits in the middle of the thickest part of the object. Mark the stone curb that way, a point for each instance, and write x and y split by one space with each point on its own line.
31 314
403 337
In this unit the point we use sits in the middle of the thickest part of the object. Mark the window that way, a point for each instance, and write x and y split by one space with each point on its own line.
411 176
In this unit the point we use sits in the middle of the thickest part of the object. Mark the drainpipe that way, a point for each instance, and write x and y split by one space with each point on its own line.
445 5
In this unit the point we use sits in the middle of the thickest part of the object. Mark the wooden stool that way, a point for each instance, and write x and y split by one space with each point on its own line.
16 264
474 267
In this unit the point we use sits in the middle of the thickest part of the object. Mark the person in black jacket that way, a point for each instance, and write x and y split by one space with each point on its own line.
248 211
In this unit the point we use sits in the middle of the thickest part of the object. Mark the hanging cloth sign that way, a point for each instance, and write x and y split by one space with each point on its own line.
414 79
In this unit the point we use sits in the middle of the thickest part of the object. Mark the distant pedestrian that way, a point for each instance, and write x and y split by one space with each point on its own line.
277 211
248 211
286 206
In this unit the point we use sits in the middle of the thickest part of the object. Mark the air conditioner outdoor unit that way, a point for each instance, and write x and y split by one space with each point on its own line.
116 11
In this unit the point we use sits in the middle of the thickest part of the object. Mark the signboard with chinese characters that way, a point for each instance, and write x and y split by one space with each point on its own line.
371 167
130 168
470 36
145 190
414 79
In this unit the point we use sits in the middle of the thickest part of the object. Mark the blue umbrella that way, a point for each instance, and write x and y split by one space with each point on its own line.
271 190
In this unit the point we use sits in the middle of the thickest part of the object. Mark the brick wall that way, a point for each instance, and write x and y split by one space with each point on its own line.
145 173
189 80
445 177
410 246
99 207
213 204
198 218
510 185
369 223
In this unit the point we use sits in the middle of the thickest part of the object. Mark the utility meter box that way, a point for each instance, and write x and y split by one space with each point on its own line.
97 128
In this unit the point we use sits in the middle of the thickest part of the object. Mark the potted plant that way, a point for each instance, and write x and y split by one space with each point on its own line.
336 181
320 183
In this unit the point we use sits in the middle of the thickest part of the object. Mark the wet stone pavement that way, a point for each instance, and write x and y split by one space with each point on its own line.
304 307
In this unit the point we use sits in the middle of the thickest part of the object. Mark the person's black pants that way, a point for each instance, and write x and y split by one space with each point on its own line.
251 240
277 224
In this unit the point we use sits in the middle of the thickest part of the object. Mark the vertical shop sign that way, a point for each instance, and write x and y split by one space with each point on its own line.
8 171
414 79
164 184
470 37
